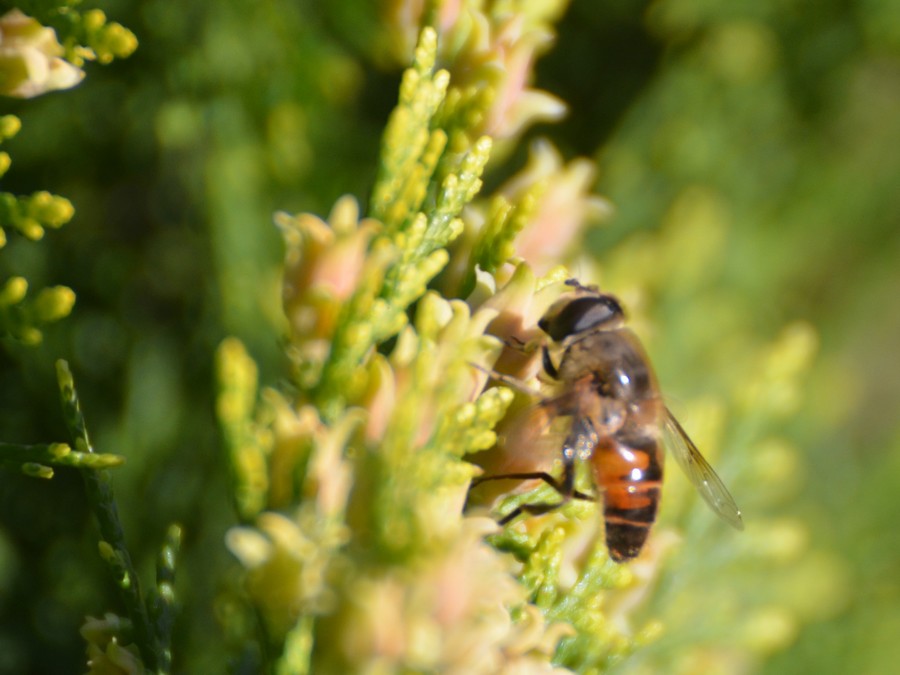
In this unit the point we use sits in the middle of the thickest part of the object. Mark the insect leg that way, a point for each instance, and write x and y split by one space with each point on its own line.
541 508
516 343
565 488
549 367
577 285
530 475
509 381
536 475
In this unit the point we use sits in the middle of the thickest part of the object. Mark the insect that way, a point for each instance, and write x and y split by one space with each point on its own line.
615 421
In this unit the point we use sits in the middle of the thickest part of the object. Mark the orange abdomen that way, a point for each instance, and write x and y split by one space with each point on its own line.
630 476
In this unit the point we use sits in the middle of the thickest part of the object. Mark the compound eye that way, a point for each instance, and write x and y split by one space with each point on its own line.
581 314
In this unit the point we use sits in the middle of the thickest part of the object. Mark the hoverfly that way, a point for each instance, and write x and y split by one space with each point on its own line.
616 421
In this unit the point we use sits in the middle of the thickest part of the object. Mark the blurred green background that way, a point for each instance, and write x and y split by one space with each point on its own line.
752 145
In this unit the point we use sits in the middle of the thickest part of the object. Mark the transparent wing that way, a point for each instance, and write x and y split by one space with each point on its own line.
700 473
536 435
532 437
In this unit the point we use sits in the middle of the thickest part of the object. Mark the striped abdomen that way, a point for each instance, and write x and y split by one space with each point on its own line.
630 476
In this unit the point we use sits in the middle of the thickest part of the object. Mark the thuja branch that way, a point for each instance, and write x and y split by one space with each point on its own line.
428 174
112 545
38 460
162 597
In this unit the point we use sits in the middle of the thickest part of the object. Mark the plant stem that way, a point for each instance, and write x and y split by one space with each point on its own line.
99 491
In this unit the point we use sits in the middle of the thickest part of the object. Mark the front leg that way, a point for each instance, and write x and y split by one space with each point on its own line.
565 490
510 382
564 486
548 364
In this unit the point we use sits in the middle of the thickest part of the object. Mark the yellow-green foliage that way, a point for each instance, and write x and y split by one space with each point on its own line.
22 316
35 62
750 231
367 532
360 471
352 485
